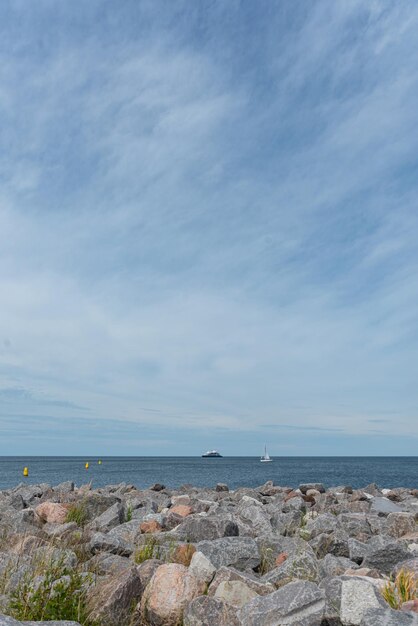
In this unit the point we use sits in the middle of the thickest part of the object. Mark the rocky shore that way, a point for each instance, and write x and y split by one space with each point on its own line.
268 556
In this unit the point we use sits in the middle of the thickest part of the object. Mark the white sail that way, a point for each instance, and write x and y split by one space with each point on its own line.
266 458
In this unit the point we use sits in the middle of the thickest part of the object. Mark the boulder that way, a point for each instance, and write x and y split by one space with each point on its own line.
150 526
111 601
299 603
287 524
384 554
106 543
209 611
52 512
305 487
254 520
302 565
387 617
221 487
157 487
332 565
169 591
113 516
239 552
410 566
105 564
183 510
384 506
357 596
201 568
399 524
197 528
324 523
336 543
234 592
147 569
229 574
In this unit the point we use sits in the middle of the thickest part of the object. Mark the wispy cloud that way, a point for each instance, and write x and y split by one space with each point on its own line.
208 223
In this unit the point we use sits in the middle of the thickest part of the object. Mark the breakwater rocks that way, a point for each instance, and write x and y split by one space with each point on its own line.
269 556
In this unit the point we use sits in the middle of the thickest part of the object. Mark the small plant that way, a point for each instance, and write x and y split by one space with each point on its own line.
402 589
150 550
129 512
59 594
77 513
267 560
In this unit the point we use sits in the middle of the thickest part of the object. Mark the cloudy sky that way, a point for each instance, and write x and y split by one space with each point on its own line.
208 227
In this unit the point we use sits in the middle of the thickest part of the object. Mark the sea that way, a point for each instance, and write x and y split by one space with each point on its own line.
386 472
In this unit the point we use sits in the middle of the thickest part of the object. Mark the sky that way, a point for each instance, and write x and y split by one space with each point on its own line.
208 227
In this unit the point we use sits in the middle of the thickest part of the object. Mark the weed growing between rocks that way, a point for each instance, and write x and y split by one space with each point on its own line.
77 513
402 589
150 550
59 593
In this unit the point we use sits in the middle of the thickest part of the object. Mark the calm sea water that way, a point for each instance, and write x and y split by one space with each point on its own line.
235 471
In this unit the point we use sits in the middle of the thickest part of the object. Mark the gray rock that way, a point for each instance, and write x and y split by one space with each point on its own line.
384 506
332 565
332 590
111 601
201 568
354 525
299 603
209 611
113 516
254 519
129 531
105 564
357 550
8 621
105 543
411 565
221 487
65 487
358 594
95 504
229 574
323 523
388 617
287 523
399 524
384 555
335 543
196 528
239 552
302 565
234 592
147 569
317 486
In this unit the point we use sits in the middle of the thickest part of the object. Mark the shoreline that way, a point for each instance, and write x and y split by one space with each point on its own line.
215 556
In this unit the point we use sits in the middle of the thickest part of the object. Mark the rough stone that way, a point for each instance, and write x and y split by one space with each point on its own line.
201 567
387 617
210 611
170 590
239 552
357 596
111 601
105 543
299 603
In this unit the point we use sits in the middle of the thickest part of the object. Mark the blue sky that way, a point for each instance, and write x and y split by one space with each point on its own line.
208 227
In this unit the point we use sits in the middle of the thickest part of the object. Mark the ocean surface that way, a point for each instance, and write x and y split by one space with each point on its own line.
235 471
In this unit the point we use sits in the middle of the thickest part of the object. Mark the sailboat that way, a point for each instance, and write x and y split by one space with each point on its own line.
266 458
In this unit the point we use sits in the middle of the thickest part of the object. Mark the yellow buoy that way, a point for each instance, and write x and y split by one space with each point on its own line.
86 466
99 462
25 471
